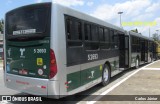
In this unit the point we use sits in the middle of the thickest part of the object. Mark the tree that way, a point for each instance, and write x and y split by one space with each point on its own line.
155 37
135 30
1 25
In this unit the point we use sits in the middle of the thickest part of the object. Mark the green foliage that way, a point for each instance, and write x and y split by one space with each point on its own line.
155 37
1 25
135 30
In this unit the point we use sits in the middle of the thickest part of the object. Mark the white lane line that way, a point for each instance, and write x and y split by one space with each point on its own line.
4 102
117 84
151 69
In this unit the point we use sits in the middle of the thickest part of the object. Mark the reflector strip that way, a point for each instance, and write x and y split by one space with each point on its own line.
44 87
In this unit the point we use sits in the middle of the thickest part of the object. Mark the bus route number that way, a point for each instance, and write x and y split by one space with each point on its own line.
92 56
39 50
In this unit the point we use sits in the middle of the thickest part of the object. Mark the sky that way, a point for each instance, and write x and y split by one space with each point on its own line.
141 11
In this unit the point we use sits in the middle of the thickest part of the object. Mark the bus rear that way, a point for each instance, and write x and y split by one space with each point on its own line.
30 64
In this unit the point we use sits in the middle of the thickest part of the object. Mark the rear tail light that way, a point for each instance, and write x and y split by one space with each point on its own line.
53 64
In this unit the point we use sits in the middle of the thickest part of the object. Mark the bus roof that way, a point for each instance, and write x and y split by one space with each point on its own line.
89 18
139 35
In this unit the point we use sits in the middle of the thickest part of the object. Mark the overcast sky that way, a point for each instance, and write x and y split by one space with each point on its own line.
133 10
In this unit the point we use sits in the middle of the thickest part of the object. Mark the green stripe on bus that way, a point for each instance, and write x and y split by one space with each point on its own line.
73 80
85 76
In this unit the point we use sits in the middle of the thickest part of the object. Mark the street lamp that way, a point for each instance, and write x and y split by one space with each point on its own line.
120 18
149 32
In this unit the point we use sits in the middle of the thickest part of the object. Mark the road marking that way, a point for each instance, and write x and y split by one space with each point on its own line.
4 102
151 69
117 84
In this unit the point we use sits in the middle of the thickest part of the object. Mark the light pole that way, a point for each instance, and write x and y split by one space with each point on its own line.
120 18
149 32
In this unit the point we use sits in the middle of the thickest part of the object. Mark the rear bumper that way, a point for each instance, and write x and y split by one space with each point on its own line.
34 86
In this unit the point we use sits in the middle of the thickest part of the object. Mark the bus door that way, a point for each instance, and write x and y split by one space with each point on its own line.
123 51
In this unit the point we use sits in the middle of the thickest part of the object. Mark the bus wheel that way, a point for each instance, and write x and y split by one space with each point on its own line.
137 63
106 75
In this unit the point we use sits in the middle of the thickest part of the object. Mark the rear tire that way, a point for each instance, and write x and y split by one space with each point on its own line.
106 74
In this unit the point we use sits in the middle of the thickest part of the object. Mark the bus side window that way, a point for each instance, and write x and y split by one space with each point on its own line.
91 36
106 35
87 28
137 45
80 30
112 39
104 38
116 40
94 33
107 38
101 34
103 43
68 28
73 32
134 43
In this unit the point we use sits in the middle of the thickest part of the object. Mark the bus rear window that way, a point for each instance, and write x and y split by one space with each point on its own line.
28 20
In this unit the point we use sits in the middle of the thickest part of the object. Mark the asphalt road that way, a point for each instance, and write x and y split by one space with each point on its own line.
155 65
3 89
140 88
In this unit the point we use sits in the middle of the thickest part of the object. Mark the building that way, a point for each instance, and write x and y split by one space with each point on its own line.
1 45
